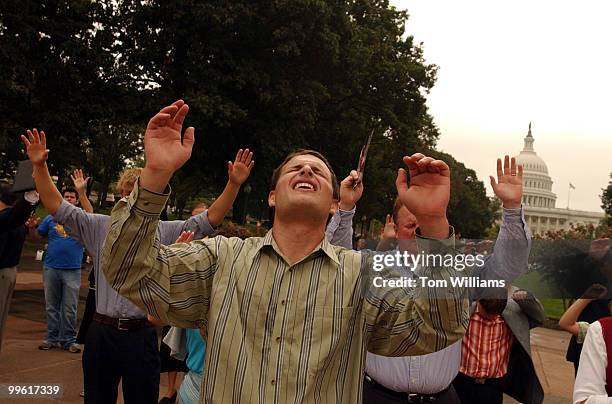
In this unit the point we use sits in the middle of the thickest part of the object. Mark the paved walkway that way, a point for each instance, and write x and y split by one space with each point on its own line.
22 362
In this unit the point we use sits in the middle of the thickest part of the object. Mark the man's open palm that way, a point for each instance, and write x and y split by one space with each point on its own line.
509 185
36 146
240 169
164 148
429 190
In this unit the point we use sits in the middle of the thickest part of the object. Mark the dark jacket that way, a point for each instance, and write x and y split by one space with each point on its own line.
521 382
13 232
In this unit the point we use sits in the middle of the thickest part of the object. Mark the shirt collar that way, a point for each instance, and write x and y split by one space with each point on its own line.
325 246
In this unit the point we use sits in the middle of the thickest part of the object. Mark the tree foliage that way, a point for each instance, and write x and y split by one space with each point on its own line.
606 203
269 75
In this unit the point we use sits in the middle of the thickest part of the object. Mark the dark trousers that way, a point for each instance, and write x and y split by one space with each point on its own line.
471 392
90 309
375 395
111 355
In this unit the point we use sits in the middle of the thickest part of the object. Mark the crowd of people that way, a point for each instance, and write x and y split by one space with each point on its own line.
291 316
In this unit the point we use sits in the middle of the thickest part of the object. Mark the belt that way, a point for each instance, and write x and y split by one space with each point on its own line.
410 398
482 380
122 324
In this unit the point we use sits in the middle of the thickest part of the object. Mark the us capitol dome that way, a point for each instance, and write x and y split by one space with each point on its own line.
539 201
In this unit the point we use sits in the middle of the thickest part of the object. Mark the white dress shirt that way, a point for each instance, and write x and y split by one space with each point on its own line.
434 372
590 386
424 374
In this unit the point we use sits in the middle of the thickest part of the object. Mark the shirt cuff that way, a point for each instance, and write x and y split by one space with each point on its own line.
31 197
347 212
433 245
147 202
513 215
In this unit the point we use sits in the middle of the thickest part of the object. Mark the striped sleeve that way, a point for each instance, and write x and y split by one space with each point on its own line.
403 321
171 283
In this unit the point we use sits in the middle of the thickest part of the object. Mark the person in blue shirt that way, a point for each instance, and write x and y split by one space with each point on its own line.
62 281
189 392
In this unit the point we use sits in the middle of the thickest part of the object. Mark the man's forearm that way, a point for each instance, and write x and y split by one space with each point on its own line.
48 192
223 204
511 252
84 201
144 274
570 317
127 218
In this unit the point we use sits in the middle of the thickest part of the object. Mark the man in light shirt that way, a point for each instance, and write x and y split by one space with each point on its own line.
428 378
288 316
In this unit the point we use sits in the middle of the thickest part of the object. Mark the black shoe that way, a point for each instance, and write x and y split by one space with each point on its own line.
168 400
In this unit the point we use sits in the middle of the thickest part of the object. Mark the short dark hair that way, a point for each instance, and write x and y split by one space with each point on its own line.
6 195
71 190
302 152
495 301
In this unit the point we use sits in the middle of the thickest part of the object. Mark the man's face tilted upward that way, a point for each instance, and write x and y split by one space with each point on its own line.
304 187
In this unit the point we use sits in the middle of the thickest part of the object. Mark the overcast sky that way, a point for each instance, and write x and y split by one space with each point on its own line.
502 65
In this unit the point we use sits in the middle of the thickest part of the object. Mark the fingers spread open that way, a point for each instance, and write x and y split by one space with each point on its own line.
499 168
25 141
506 165
247 157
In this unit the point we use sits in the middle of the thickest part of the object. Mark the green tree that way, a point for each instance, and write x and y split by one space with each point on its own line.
606 203
274 76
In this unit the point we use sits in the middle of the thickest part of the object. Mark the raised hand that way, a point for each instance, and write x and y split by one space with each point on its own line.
165 149
240 169
32 221
595 291
351 189
36 147
388 230
185 237
520 294
428 194
509 185
79 180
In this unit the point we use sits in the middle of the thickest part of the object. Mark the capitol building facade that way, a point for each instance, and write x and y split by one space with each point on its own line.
539 200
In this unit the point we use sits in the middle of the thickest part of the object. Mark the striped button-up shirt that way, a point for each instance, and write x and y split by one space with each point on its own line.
278 332
486 347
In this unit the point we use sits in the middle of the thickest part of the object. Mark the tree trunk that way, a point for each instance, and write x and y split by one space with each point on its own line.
239 208
181 202
104 185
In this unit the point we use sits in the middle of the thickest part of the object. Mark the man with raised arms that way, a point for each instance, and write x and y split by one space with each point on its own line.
288 316
115 351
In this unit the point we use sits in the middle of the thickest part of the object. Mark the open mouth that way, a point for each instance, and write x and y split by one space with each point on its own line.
304 186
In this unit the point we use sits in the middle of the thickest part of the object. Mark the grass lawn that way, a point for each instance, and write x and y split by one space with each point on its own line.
553 307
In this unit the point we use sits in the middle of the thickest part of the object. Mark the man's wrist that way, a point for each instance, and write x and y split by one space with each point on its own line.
346 206
233 184
155 180
39 166
436 227
511 204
